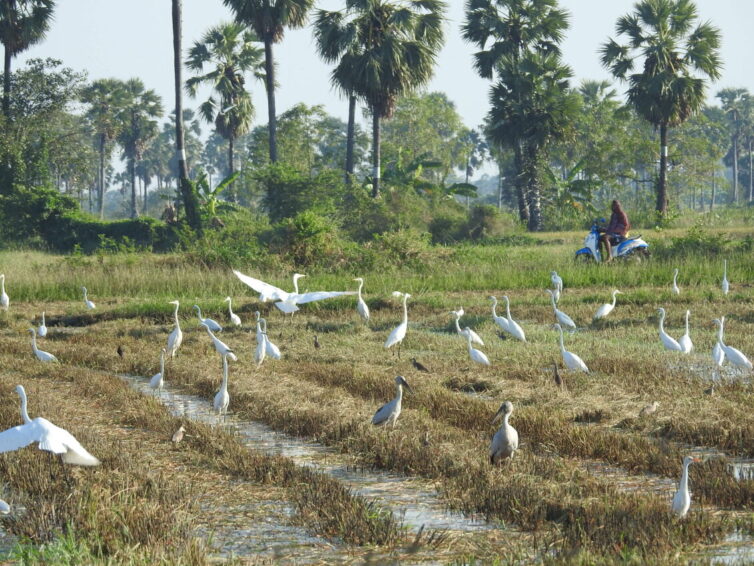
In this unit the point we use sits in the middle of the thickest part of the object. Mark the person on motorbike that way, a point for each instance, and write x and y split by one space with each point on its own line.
616 230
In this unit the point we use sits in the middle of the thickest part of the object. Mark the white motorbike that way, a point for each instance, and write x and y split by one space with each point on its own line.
635 248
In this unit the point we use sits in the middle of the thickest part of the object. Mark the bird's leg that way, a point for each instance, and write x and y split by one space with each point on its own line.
49 465
65 472
399 349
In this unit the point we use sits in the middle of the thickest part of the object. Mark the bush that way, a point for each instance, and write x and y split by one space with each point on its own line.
404 248
306 239
696 242
485 222
288 192
448 228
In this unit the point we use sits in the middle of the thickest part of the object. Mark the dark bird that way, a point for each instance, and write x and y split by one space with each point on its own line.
425 440
419 366
316 342
120 351
556 374
710 390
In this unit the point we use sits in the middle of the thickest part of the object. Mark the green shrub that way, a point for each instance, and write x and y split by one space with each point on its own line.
448 228
306 239
697 241
404 248
288 192
485 222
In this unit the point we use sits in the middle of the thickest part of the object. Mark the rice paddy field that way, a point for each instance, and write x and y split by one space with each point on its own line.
296 473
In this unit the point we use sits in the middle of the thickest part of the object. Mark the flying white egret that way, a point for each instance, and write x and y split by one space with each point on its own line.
501 321
474 336
667 341
89 304
234 318
222 348
562 318
676 288
685 341
48 437
176 336
222 397
475 355
607 308
271 349
42 330
158 379
361 306
4 298
390 411
682 497
287 302
734 356
514 329
399 332
571 360
41 354
212 324
505 441
726 284
557 281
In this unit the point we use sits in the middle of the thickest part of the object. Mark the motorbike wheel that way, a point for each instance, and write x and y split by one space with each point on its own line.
584 258
638 255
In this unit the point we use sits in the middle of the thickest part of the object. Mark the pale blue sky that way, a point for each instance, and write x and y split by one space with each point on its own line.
132 38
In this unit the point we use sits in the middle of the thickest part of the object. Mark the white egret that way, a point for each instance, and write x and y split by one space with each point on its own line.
261 350
475 355
685 341
390 411
211 324
682 497
271 349
514 329
42 330
89 304
502 322
234 318
222 348
607 308
562 318
41 354
158 379
734 356
676 288
718 356
4 298
399 332
361 306
176 336
48 437
667 341
474 336
557 281
222 397
726 284
571 360
505 441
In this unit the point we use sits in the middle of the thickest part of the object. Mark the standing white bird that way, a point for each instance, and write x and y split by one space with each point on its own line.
726 284
607 308
399 332
158 380
271 349
667 341
571 360
676 288
222 348
561 317
514 329
42 330
734 356
475 355
505 441
234 318
390 411
474 336
718 356
222 397
212 324
4 298
557 281
361 306
261 350
682 497
176 336
89 304
48 436
685 341
41 354
501 321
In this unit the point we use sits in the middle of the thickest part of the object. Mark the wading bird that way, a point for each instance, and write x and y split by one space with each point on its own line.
562 318
557 281
734 356
260 353
42 330
718 356
501 321
176 336
234 318
685 341
4 298
514 329
649 409
211 324
667 341
474 336
48 436
505 441
607 308
571 360
89 304
556 375
682 497
399 332
120 351
361 306
222 397
222 348
390 411
676 288
271 349
419 366
41 354
317 345
475 355
725 285
178 435
158 380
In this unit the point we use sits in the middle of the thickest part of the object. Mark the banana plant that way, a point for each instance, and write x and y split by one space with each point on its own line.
208 197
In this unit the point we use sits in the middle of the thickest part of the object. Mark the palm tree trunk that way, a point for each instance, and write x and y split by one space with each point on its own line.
350 138
523 206
533 193
6 84
101 195
231 169
132 171
735 169
375 154
662 195
269 71
712 197
751 183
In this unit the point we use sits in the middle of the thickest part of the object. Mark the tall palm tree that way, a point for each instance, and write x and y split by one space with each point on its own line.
22 24
672 59
268 19
735 102
229 51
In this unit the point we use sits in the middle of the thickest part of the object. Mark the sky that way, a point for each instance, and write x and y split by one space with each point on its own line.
133 38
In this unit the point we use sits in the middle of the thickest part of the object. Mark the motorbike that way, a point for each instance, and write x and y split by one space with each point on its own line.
633 247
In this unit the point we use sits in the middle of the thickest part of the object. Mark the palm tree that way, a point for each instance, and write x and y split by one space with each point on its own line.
230 52
735 102
669 53
268 19
22 24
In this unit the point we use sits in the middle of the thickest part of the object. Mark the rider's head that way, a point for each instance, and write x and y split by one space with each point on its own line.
616 206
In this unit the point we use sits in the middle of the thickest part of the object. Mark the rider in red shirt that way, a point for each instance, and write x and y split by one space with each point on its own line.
616 230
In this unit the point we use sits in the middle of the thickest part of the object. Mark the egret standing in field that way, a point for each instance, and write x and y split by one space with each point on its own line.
676 288
89 304
514 329
42 330
571 360
474 336
158 380
260 353
734 356
669 342
48 436
399 332
176 336
221 347
685 341
211 324
607 308
475 355
562 318
222 397
682 497
501 321
271 349
41 354
4 298
505 441
726 284
234 318
390 411
361 306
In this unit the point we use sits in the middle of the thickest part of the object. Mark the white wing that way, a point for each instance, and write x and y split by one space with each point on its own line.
17 437
266 291
316 296
271 349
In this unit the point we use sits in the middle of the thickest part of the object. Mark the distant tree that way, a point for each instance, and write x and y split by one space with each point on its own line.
735 103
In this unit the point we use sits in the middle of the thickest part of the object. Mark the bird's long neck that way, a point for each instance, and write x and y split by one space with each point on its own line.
361 284
263 322
230 308
494 307
507 308
552 300
224 385
468 341
34 341
725 269
662 322
458 326
615 296
24 414
720 333
85 293
562 346
175 316
399 393
2 284
199 312
675 277
405 309
687 322
259 327
295 285
505 421
43 319
684 485
162 363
